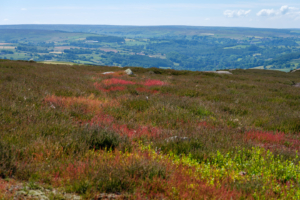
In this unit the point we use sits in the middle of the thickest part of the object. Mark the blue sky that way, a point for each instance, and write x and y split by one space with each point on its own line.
262 14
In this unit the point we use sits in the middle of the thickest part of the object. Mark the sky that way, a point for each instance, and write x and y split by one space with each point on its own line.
228 13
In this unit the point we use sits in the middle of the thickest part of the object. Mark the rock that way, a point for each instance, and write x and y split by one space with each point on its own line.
72 197
31 194
297 85
21 193
24 192
108 73
176 138
52 106
128 72
218 72
151 72
105 196
223 72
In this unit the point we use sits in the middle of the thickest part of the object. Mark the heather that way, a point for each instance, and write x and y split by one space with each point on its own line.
157 134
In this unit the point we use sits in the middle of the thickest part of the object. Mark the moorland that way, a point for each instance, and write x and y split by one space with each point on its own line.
71 132
167 47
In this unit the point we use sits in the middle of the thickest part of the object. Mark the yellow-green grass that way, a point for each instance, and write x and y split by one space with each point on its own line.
58 63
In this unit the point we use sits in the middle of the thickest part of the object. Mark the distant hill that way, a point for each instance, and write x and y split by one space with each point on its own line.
160 31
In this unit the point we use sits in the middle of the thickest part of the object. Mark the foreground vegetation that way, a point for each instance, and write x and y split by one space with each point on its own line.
157 134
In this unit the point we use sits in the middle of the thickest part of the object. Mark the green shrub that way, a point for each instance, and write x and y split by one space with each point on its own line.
80 187
99 138
200 111
183 147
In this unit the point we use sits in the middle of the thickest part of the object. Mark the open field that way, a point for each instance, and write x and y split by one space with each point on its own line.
58 63
7 47
159 134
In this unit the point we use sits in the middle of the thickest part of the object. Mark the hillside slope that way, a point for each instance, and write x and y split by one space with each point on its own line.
157 134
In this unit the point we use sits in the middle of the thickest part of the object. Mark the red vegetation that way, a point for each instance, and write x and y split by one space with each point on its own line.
205 125
69 172
269 139
3 185
6 189
91 105
115 81
266 137
101 120
151 132
154 83
98 86
122 129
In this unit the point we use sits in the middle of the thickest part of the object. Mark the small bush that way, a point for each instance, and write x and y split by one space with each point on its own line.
98 138
183 147
81 187
200 111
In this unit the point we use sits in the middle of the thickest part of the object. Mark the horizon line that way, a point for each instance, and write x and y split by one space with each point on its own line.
146 26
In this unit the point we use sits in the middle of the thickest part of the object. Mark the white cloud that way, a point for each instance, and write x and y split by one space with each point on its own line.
287 10
266 12
207 19
23 8
236 13
5 20
284 10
